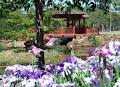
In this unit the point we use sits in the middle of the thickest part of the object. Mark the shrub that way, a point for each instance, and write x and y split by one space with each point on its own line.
2 47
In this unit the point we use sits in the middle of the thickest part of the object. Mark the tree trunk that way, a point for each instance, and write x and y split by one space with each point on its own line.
110 21
39 33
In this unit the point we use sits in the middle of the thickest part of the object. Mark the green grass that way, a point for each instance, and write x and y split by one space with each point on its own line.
19 56
2 68
10 57
110 32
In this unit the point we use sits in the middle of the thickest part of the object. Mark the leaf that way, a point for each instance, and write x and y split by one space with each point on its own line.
45 28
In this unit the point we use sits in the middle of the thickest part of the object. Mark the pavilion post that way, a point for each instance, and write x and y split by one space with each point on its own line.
73 25
67 22
84 21
79 24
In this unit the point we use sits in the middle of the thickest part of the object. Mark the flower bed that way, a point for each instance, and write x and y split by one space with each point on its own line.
100 69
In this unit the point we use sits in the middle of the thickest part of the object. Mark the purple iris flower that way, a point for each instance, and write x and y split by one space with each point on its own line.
37 74
96 70
51 68
36 51
61 65
24 72
32 77
60 68
51 42
116 46
92 60
64 85
95 82
93 51
30 74
109 72
105 52
71 60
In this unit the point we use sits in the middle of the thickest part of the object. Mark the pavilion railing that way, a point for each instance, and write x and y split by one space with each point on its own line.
64 30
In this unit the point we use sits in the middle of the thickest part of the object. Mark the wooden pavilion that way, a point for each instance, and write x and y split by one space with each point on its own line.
75 25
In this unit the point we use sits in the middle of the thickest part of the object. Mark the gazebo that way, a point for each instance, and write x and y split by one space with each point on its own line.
75 25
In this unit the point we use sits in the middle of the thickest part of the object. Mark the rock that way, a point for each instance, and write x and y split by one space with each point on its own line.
82 41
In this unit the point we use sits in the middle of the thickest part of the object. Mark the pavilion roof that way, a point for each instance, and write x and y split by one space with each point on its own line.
72 14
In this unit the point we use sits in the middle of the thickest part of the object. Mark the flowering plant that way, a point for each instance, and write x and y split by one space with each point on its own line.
100 69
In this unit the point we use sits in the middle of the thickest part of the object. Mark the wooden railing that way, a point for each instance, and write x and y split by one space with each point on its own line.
64 30
75 30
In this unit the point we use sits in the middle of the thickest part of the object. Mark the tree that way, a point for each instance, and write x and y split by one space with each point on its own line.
98 17
40 33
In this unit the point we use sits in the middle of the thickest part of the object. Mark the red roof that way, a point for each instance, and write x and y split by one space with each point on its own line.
75 15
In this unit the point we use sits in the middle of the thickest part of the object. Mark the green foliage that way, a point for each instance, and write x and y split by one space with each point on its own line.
52 56
2 47
10 57
47 20
17 50
7 6
95 41
110 20
50 23
79 79
60 79
48 15
115 21
62 49
97 17
15 25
